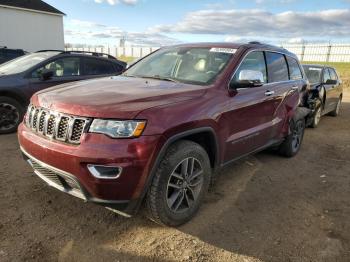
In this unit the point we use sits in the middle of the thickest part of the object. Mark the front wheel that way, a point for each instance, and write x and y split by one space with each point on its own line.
179 185
11 114
317 117
291 145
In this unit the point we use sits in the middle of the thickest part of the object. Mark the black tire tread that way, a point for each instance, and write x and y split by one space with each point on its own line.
285 149
153 212
20 108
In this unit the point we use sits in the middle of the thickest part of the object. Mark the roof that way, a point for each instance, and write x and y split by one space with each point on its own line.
250 45
36 5
315 65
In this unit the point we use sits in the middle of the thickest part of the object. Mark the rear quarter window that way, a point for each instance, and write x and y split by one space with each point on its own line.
276 67
294 69
333 74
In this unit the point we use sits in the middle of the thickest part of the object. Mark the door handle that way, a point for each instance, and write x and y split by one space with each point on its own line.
269 93
295 88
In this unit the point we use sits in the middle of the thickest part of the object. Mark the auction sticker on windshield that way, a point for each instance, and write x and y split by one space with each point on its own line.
223 50
315 68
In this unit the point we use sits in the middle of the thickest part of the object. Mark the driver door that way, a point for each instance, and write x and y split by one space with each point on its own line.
248 114
66 69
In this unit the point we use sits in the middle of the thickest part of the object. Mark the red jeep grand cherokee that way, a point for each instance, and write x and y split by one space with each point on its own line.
158 133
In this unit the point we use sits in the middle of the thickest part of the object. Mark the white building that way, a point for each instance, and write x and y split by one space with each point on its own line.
30 25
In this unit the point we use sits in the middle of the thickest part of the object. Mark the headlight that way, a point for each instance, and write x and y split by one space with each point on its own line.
118 129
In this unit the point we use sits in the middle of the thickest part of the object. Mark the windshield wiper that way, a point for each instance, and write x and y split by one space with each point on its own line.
158 77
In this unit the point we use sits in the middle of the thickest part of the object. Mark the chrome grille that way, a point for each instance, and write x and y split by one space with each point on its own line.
77 129
62 128
42 121
55 125
35 118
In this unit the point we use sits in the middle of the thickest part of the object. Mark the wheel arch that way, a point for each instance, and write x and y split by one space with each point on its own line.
15 96
191 135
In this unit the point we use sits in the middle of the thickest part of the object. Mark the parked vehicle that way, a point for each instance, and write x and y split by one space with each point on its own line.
159 132
326 92
7 54
22 77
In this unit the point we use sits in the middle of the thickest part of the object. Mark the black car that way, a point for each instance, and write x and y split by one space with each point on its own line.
326 92
7 54
23 76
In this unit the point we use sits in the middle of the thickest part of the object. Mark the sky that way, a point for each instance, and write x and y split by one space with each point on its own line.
164 22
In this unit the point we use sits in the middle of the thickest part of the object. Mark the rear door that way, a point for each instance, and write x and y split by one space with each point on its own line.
335 91
329 103
285 81
97 67
65 69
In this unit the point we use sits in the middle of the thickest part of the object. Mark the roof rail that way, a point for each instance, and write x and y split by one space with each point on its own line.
49 50
80 52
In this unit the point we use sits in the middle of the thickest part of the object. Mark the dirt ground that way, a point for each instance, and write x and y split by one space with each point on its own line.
263 208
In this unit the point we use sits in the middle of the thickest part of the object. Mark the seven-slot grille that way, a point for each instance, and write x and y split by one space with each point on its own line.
55 125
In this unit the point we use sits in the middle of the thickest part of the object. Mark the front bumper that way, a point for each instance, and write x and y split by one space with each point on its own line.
64 166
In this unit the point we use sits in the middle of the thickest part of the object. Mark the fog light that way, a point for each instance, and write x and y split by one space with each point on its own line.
104 172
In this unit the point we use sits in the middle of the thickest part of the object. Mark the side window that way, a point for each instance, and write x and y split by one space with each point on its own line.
98 67
333 74
255 61
62 67
294 69
276 67
326 75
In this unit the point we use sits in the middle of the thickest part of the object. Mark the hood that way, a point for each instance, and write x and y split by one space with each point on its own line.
114 97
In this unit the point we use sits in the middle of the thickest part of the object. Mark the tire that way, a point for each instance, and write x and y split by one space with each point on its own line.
291 145
169 185
335 112
317 117
11 114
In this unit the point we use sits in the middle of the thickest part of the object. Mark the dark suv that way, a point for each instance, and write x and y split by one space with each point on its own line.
326 92
159 133
7 54
22 77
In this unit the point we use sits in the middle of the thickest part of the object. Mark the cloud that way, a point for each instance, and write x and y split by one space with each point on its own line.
115 2
260 23
80 31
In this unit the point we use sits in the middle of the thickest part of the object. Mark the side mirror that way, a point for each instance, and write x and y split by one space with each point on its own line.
46 75
331 82
248 79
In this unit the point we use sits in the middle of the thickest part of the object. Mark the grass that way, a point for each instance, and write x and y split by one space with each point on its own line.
126 59
343 70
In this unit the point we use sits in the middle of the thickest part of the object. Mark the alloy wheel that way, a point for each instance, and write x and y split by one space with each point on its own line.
184 185
318 116
338 107
9 116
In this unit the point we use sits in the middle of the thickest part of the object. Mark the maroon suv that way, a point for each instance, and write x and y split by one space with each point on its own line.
159 133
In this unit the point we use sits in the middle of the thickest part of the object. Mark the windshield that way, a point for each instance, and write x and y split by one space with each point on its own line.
313 74
23 63
183 64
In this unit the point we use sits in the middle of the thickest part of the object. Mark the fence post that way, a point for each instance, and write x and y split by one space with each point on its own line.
328 53
302 52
